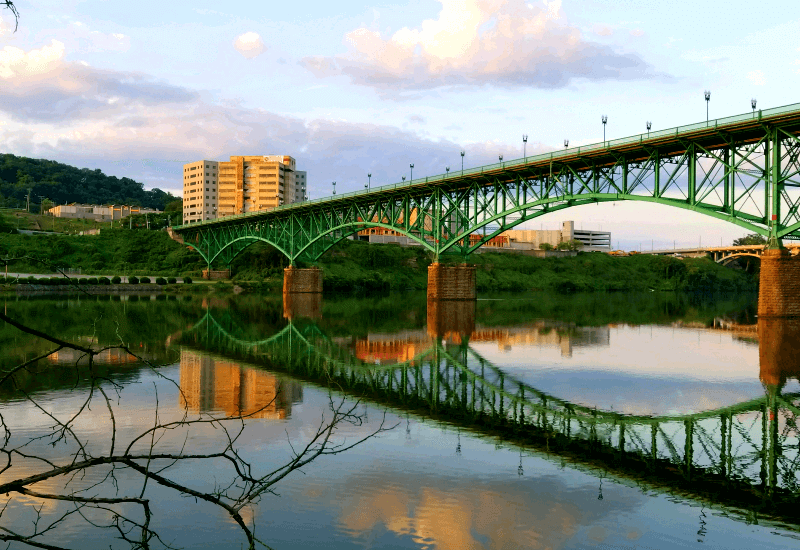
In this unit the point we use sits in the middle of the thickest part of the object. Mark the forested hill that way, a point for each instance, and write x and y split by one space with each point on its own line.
62 183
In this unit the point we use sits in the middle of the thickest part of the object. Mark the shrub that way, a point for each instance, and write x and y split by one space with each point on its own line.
104 281
187 280
2 279
83 281
172 280
161 281
133 280
115 280
92 280
145 280
545 246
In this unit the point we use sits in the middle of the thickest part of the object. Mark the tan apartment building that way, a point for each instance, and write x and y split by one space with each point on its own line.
213 189
200 180
252 183
97 212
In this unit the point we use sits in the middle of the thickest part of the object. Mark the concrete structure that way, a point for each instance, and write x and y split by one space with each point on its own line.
101 213
302 280
200 191
213 189
300 186
723 254
451 282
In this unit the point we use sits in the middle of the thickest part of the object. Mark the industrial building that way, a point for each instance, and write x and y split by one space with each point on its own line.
513 239
214 189
97 212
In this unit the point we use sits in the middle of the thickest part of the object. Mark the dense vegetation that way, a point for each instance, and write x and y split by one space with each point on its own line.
357 266
61 183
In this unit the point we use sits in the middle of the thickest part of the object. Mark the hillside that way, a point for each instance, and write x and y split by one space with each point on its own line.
62 183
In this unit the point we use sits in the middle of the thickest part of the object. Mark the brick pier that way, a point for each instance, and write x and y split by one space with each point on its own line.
216 274
451 282
302 280
779 284
452 320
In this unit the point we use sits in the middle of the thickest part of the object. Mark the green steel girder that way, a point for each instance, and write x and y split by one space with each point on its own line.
744 170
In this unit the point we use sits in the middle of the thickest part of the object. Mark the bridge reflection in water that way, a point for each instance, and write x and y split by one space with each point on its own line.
743 456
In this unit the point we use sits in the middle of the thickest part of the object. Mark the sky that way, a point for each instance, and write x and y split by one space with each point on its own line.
138 89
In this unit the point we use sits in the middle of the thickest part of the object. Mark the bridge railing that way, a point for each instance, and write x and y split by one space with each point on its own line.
543 157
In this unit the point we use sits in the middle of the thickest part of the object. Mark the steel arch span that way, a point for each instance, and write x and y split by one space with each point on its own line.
743 169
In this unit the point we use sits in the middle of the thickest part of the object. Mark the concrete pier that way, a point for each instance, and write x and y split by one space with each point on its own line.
302 280
451 282
779 284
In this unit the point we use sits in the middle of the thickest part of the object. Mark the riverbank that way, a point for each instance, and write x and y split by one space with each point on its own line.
360 267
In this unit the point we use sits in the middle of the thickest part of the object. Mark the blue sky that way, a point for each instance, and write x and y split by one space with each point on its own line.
347 88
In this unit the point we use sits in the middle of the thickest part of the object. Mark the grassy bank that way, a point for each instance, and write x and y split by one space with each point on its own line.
360 267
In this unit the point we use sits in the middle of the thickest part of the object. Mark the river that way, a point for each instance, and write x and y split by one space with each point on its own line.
584 421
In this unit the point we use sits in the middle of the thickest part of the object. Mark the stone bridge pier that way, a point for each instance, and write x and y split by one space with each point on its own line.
451 282
302 281
779 284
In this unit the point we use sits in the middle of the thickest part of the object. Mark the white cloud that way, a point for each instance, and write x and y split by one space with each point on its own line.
637 32
756 77
477 42
603 30
41 85
249 45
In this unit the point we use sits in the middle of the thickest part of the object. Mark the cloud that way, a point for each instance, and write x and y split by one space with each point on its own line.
249 45
603 30
40 85
477 42
756 77
416 119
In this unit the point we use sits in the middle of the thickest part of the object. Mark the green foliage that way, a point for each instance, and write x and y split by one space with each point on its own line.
545 246
172 280
62 183
572 244
160 281
92 280
145 280
133 280
116 279
104 281
750 240
187 280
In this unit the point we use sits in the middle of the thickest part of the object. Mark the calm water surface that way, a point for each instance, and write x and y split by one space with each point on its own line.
518 423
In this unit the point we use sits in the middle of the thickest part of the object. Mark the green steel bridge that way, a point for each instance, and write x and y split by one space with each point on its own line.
744 456
743 169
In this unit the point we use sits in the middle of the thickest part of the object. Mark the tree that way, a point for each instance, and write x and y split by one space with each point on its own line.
545 246
31 471
572 244
750 240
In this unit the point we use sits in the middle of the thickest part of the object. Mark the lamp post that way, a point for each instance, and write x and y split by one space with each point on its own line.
334 188
404 178
462 161
753 105
500 157
566 143
649 125
707 95
447 169
604 118
412 172
524 146
369 181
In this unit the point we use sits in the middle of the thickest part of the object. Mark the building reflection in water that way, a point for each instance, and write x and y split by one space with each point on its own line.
454 323
209 384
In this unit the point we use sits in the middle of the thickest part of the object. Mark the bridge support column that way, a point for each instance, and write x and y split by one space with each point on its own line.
302 280
216 274
451 282
451 319
779 284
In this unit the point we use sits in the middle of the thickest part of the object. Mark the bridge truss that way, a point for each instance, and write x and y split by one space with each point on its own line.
742 169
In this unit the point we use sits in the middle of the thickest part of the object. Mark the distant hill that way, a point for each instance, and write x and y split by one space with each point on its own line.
62 183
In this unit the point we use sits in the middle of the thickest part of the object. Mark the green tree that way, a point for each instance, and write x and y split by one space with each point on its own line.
545 246
750 240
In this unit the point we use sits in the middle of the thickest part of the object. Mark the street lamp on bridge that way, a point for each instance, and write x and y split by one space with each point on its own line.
707 95
462 161
566 143
649 125
524 146
412 172
334 188
604 118
369 181
753 105
500 157
447 169
404 178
